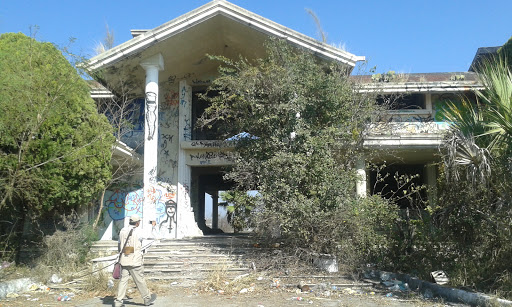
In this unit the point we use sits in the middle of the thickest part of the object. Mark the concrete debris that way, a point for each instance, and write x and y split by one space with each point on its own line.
440 277
326 262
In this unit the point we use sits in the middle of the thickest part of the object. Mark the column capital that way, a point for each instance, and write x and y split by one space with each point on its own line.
156 60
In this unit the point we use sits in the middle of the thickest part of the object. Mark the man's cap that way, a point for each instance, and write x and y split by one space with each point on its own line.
134 218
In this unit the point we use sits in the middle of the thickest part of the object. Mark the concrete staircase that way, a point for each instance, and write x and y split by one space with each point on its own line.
191 258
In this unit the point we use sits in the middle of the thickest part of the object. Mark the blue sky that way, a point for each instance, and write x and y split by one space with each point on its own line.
408 36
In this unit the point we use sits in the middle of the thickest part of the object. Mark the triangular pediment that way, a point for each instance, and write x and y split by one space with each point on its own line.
218 27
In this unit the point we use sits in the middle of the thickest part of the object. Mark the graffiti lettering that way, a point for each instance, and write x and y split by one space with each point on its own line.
171 79
216 144
168 137
211 155
183 100
198 81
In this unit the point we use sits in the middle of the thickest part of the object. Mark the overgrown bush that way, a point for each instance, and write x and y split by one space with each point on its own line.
466 233
299 122
65 251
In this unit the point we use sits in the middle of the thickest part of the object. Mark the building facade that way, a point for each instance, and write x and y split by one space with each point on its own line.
167 67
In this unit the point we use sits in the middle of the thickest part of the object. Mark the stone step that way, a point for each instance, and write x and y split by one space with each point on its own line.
166 264
191 258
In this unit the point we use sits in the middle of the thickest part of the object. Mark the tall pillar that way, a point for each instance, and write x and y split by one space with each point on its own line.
186 223
361 180
152 65
215 210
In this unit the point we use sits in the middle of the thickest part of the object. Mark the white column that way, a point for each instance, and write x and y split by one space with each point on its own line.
215 210
361 180
152 66
186 225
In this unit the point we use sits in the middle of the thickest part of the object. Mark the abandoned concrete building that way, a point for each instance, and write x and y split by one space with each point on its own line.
183 165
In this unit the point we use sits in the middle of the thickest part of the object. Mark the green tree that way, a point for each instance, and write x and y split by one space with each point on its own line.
298 122
122 110
472 219
54 149
506 50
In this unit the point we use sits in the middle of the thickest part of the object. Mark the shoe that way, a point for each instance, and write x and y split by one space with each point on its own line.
150 300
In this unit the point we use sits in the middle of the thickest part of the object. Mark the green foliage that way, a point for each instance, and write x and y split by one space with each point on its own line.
240 206
303 121
467 233
496 77
506 50
54 146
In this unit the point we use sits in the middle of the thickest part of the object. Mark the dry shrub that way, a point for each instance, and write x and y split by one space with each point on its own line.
218 280
98 282
65 251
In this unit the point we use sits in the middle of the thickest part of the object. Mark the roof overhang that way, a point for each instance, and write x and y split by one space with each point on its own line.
409 149
220 11
123 153
418 87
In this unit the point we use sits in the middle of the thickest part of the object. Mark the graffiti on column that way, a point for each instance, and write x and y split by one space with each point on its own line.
152 175
151 112
160 196
187 130
170 210
183 98
171 163
185 196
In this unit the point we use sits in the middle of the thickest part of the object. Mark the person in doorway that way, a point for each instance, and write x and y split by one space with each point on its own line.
130 240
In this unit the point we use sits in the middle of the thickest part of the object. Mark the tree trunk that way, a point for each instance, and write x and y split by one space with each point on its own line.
100 209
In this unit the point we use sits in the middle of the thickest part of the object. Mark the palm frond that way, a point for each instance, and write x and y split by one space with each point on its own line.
496 77
463 151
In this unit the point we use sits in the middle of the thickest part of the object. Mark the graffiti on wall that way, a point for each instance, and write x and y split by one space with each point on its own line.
210 144
406 124
210 157
170 99
121 203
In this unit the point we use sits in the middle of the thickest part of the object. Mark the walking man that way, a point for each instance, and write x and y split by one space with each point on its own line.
130 240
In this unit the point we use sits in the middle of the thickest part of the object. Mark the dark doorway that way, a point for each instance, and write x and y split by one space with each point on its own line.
210 182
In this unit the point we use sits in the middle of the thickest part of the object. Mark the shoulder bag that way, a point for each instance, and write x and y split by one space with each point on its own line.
116 274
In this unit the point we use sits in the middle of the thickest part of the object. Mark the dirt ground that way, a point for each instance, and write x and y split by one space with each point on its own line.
258 295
